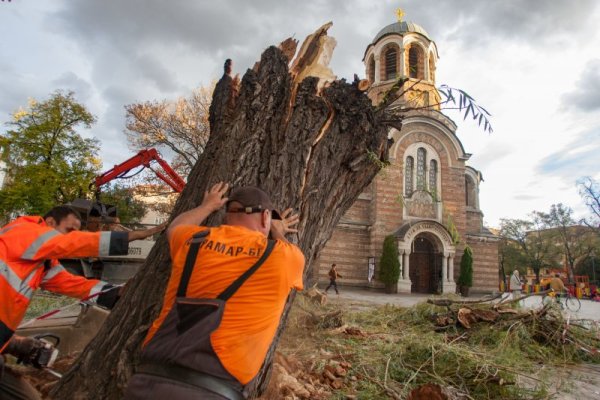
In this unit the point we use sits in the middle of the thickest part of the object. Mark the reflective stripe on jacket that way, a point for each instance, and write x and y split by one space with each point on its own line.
29 250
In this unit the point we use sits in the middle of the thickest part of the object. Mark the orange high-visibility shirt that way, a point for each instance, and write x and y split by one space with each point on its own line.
29 250
253 313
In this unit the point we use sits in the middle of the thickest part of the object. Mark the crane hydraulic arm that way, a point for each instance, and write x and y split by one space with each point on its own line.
142 159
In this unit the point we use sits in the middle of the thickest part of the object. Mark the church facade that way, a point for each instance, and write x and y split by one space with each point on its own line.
427 198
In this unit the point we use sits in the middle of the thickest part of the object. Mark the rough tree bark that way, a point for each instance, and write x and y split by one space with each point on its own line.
313 150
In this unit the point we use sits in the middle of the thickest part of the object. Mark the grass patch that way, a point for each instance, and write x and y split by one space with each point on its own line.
43 302
400 350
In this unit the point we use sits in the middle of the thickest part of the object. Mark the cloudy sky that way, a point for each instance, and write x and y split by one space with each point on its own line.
535 64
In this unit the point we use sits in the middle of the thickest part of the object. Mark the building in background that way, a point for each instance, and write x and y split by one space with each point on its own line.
428 198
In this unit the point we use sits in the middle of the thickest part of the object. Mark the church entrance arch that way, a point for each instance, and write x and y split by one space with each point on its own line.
426 255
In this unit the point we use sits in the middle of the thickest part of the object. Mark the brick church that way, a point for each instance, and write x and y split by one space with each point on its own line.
427 198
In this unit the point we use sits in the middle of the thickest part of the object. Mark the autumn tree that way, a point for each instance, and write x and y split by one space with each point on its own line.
510 256
575 241
180 128
48 161
527 243
589 189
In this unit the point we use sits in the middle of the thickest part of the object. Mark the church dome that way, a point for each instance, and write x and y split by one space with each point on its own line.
400 28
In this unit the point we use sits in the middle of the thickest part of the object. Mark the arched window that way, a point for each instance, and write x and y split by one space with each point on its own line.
433 176
415 66
431 68
391 63
470 192
408 176
421 159
371 67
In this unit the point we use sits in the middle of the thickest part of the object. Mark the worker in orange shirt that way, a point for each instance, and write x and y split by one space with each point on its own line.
197 347
30 247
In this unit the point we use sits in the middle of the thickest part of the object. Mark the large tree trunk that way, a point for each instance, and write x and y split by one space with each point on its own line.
313 150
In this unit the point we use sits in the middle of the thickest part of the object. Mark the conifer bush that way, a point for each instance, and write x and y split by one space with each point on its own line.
389 266
465 279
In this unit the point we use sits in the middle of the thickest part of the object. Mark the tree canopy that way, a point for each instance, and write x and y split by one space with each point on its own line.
131 209
589 189
180 128
576 241
550 239
48 162
526 243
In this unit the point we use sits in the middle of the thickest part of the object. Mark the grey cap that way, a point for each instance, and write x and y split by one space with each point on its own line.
252 199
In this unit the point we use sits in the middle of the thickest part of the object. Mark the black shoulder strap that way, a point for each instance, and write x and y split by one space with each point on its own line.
190 260
230 291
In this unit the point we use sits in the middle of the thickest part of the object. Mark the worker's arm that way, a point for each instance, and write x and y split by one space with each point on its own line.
58 280
279 228
48 243
143 234
213 200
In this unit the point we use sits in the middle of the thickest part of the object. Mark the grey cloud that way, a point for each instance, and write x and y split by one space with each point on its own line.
71 82
234 29
242 29
586 96
156 72
122 41
476 21
526 197
111 123
491 154
16 89
118 97
577 159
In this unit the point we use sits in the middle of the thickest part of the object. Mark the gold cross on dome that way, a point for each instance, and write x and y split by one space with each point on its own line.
399 14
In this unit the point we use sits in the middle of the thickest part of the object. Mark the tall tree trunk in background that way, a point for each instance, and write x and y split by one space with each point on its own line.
313 150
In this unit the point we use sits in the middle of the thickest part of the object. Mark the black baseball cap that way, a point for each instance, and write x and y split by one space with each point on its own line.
252 199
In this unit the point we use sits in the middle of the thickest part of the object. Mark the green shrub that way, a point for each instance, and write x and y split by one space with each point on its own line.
466 268
389 266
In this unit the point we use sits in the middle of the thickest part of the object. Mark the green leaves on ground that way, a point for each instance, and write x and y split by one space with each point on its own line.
399 349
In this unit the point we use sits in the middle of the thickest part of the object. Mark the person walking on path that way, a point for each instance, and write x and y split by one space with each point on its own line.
333 275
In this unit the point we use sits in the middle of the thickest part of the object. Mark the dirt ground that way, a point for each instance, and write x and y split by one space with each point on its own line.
580 382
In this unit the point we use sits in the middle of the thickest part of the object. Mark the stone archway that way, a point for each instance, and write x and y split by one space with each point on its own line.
427 247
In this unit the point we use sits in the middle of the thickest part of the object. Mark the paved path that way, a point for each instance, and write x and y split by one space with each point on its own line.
358 297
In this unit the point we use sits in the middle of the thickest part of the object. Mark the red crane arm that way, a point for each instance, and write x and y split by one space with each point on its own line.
143 158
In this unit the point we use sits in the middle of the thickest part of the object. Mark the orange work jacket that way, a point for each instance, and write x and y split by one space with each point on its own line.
253 313
29 253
